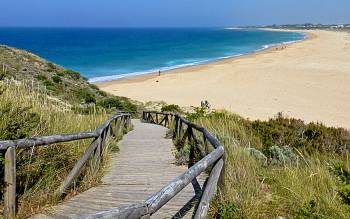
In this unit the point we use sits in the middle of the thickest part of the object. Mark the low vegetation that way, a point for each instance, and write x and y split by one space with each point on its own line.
279 168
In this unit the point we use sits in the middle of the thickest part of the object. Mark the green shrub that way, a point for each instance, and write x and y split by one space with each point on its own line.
198 113
102 93
227 211
49 85
85 95
307 210
19 123
119 103
51 67
343 175
41 77
94 87
171 108
296 134
61 74
73 74
344 193
282 156
56 79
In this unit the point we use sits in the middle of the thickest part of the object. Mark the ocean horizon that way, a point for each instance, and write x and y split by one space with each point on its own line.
104 54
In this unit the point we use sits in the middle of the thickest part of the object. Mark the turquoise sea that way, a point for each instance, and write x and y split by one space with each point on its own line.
102 54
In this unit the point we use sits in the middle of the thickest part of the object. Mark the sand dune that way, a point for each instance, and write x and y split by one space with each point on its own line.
308 80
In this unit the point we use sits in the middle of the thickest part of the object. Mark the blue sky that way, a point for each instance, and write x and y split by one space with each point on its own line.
170 13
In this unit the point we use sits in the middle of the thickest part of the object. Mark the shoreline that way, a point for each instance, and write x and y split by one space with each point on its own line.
147 74
307 80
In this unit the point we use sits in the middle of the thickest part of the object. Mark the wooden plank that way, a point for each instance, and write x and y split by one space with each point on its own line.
10 183
209 191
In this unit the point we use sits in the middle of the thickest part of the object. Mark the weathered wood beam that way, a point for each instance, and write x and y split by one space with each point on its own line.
10 183
134 211
46 140
159 199
77 168
209 191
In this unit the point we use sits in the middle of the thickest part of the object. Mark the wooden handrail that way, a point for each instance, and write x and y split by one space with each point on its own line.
159 199
96 149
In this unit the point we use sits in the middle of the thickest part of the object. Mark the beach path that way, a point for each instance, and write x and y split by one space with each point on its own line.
143 165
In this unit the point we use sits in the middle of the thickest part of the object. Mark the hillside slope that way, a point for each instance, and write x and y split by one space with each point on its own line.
66 85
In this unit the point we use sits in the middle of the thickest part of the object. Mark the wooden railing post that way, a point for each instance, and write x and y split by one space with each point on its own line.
175 134
129 120
209 191
191 160
119 126
10 183
166 121
206 145
98 150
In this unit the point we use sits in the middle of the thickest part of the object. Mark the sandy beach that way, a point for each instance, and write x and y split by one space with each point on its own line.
308 80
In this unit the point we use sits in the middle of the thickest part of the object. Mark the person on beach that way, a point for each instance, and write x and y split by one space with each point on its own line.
159 73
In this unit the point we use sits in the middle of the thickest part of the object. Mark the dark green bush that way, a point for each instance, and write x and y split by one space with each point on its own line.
119 103
51 67
50 85
102 93
171 108
343 174
198 113
57 79
94 87
41 77
73 74
307 210
85 95
227 211
61 74
307 137
22 122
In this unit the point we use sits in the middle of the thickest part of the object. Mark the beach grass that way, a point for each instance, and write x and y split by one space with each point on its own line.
252 187
26 111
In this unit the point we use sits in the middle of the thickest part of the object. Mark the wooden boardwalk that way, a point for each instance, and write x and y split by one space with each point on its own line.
143 165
